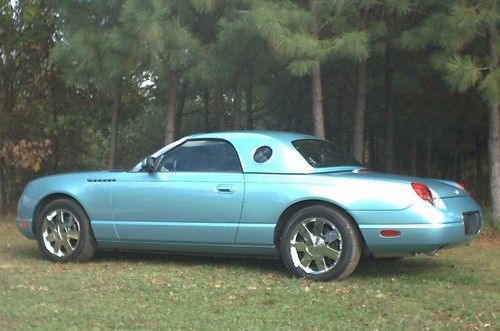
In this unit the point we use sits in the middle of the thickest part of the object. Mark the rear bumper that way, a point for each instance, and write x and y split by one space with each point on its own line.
25 226
414 238
25 212
424 228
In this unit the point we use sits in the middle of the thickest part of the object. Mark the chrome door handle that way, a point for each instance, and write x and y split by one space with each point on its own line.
225 188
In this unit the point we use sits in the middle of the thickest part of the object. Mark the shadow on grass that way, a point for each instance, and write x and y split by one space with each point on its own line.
186 260
367 268
30 253
370 268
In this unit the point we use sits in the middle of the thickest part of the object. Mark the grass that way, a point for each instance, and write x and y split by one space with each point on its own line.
459 289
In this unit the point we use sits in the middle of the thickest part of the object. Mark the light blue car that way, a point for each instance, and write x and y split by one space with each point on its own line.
278 194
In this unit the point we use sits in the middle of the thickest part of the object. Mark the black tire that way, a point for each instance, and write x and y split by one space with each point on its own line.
341 237
63 232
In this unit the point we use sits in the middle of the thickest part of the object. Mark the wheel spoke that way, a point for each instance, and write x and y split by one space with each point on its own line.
331 237
67 247
51 222
306 234
319 223
73 235
299 246
51 216
51 225
57 247
50 237
61 217
306 260
71 221
320 263
331 253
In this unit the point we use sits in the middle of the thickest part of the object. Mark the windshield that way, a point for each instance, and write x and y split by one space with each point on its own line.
322 154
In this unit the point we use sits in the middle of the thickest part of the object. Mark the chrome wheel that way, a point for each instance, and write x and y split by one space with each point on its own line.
60 232
315 245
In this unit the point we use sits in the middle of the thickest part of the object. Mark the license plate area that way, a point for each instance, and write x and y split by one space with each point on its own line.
472 222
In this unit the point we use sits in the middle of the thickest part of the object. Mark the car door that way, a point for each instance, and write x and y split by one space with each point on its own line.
194 196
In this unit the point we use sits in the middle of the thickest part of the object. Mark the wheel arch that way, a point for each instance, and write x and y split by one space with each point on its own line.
49 198
292 209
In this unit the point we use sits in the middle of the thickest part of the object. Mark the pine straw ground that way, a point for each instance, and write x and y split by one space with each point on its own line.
458 289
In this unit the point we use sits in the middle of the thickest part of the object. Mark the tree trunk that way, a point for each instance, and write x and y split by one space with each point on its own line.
55 134
171 107
180 109
249 104
479 167
388 109
7 106
206 109
457 168
428 153
317 104
371 150
414 150
3 198
113 137
358 134
317 90
237 103
219 105
494 129
284 114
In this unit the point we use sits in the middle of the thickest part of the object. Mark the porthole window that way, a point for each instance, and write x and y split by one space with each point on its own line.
262 154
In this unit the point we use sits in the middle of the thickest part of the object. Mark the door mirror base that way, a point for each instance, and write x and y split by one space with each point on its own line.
149 164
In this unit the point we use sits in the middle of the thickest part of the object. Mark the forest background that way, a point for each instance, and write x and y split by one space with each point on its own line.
405 86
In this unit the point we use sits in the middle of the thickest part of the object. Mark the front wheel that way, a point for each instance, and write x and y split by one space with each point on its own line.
63 232
320 243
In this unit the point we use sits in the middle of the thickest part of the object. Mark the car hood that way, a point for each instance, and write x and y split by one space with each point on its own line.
439 188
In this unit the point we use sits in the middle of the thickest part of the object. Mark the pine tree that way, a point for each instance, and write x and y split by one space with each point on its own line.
306 35
166 44
467 33
241 54
95 50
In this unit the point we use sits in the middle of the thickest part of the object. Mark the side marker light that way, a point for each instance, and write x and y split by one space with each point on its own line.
390 233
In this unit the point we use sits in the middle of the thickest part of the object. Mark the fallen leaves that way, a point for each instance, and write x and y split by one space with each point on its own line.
30 287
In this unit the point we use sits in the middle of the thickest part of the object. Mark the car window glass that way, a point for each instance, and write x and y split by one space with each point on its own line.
321 153
201 156
262 154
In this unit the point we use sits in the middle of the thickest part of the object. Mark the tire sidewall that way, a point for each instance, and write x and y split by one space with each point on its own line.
350 242
86 235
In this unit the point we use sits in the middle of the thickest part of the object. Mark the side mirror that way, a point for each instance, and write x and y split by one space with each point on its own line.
149 164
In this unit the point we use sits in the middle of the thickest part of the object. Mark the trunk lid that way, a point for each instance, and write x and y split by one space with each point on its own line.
439 188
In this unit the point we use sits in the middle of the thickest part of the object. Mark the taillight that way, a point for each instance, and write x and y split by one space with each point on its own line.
423 192
461 183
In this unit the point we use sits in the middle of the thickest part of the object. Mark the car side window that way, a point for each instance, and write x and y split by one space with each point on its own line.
201 156
262 154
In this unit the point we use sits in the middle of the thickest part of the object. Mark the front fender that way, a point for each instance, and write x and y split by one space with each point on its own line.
85 188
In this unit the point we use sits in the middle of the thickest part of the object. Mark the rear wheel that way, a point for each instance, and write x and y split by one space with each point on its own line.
63 232
320 243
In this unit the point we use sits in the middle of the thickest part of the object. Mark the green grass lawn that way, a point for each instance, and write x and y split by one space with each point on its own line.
458 289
